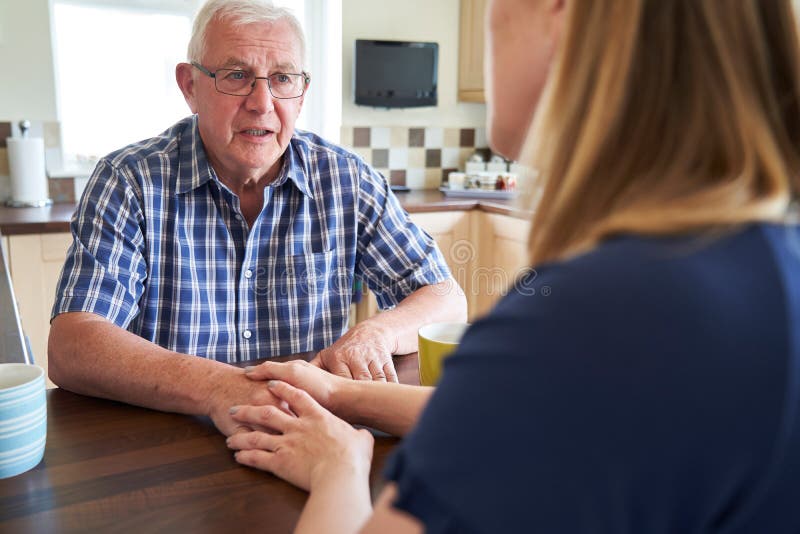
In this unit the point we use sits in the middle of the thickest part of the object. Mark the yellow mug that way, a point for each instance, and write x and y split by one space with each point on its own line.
437 341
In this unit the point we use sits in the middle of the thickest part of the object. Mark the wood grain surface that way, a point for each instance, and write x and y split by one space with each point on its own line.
112 467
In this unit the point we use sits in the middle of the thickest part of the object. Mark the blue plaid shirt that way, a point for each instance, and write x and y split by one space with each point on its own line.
161 249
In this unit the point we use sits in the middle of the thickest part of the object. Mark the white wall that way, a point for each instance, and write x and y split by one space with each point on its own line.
27 81
407 20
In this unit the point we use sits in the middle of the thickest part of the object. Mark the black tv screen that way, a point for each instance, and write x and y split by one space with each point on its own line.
396 74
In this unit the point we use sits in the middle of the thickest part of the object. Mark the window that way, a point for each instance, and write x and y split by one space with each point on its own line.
116 75
115 66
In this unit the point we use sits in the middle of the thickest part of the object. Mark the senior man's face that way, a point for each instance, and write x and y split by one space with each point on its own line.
245 136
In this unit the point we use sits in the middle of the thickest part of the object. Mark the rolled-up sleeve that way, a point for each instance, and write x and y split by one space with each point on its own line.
105 268
395 256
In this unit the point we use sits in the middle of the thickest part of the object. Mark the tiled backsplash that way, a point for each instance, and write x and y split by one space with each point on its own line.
419 158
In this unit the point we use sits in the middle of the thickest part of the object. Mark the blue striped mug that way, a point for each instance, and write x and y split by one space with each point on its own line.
23 417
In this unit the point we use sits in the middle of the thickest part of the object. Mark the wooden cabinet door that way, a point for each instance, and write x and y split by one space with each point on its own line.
453 235
470 51
503 257
35 262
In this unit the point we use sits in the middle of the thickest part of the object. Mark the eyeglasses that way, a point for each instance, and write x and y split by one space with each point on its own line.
239 82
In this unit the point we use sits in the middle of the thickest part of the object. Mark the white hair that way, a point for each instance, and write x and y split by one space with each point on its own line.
240 12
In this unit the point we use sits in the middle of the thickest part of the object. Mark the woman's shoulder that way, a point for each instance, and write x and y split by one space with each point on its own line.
701 270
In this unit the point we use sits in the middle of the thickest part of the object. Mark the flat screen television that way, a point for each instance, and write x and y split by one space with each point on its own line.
396 74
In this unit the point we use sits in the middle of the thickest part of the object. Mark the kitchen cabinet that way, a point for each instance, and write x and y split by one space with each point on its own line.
35 262
454 234
502 258
470 51
485 253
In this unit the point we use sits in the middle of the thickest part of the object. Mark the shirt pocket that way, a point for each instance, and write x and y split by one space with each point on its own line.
312 278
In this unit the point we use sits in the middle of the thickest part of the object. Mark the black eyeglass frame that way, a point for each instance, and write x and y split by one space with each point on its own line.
210 74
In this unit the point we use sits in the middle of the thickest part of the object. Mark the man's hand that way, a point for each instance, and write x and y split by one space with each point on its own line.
236 390
363 353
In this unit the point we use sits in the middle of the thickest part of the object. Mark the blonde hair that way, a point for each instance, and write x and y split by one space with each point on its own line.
665 116
240 12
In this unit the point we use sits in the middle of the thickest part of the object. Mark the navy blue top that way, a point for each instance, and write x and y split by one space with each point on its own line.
650 385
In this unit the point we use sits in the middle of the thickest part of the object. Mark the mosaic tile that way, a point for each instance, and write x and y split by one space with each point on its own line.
433 178
416 137
361 137
467 137
380 137
398 177
399 137
365 153
480 138
415 178
416 157
426 155
451 137
62 189
5 131
433 157
434 137
451 157
398 158
4 161
346 136
380 157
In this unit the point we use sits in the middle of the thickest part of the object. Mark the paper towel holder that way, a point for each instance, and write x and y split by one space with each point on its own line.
24 126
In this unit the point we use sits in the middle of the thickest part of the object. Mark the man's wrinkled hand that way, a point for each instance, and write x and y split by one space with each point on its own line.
236 389
363 353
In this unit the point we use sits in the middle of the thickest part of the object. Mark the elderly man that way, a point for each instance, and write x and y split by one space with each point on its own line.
232 237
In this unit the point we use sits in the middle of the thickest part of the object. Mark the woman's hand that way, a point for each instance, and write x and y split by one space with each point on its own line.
320 384
310 448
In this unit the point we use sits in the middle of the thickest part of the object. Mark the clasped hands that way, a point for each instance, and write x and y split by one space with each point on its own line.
286 427
303 443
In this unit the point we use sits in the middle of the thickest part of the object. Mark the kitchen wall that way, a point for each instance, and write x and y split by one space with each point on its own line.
27 90
26 55
407 20
416 147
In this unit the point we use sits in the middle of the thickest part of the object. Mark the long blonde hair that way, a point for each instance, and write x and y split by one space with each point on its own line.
666 116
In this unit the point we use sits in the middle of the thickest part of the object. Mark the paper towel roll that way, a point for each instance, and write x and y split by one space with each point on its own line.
28 176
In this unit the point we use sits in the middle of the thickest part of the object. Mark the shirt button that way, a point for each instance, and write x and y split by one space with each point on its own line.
248 273
237 217
246 334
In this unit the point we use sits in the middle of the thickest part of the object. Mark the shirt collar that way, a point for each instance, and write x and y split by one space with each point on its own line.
295 166
193 167
195 170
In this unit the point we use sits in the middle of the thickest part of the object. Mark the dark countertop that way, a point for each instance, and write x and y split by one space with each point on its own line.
53 219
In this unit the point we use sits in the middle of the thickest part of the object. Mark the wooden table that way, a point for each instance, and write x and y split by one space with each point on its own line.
111 467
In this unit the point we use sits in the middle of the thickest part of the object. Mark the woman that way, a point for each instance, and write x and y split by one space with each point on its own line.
657 388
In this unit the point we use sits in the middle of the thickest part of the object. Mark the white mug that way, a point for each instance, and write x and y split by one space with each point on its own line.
456 180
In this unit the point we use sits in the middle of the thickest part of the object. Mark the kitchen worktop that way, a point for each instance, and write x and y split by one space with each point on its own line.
55 218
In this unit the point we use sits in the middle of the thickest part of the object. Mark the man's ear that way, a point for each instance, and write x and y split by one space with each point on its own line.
185 78
303 98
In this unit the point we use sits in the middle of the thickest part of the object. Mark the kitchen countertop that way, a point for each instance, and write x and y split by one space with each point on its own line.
55 218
